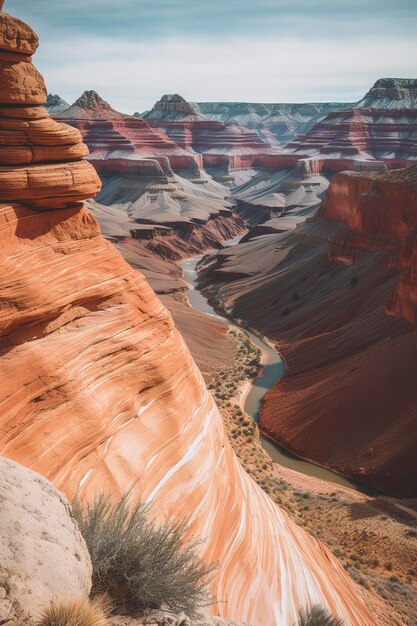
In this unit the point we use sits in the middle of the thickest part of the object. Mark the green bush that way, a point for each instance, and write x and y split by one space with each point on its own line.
317 616
139 564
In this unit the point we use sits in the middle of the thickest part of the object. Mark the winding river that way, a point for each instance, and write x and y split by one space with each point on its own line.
271 372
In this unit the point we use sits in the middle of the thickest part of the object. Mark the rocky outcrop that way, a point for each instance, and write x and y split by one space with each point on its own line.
224 147
98 392
43 554
171 107
338 295
135 162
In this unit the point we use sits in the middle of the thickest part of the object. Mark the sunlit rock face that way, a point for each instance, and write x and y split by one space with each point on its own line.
98 391
339 296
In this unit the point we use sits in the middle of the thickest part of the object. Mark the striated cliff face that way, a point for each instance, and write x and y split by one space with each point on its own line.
276 123
391 93
376 134
98 391
338 295
110 134
223 146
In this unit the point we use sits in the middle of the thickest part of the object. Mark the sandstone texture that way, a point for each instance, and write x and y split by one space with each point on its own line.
99 392
43 555
338 295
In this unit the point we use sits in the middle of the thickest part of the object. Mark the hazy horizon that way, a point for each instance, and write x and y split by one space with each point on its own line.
132 52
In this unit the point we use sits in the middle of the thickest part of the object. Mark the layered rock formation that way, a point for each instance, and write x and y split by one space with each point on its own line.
168 213
391 93
376 134
43 555
275 123
110 134
224 147
338 295
98 392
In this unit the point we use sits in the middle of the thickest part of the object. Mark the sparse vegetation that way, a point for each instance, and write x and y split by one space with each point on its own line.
75 612
317 616
139 564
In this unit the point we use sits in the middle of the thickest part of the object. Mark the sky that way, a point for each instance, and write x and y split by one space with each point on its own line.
133 51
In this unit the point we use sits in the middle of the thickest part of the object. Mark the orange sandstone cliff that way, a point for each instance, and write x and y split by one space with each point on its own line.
97 389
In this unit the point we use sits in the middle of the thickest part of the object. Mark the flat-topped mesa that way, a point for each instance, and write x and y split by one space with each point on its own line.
111 134
40 160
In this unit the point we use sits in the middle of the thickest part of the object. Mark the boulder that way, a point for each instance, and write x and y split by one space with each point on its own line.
43 554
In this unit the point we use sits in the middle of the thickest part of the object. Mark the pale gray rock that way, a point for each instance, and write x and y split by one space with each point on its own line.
42 553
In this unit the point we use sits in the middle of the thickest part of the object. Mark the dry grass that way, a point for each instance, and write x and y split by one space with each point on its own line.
78 612
317 616
139 564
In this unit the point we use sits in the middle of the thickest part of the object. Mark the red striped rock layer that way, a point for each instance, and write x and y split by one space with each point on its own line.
338 295
387 135
228 144
108 132
98 392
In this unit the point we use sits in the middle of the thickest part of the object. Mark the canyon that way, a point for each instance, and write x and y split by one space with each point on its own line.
224 146
375 134
276 123
98 391
338 297
154 190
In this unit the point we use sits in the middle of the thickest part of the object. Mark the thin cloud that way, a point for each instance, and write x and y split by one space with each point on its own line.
132 76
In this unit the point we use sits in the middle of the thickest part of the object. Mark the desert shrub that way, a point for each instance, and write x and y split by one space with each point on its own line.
317 616
139 564
76 612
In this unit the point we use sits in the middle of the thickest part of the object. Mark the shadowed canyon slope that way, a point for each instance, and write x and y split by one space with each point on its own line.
99 392
338 295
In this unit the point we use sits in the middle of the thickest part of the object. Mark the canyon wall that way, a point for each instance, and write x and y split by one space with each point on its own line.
338 295
223 146
276 123
98 391
376 134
